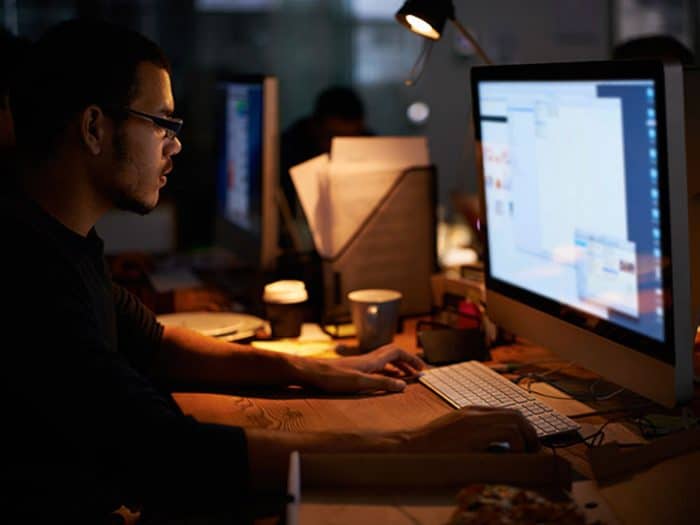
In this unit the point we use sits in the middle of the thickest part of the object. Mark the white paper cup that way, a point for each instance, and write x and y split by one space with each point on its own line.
284 302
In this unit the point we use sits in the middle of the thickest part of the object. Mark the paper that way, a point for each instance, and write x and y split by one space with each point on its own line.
354 196
339 193
311 342
310 179
384 152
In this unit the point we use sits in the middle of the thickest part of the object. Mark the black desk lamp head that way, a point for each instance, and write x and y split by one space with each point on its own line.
427 18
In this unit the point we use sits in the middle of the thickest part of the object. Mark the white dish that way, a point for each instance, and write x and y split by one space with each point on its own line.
226 325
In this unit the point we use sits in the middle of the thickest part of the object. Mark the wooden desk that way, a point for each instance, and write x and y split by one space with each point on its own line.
297 411
417 405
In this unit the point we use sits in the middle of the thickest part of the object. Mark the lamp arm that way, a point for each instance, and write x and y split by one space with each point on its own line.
466 34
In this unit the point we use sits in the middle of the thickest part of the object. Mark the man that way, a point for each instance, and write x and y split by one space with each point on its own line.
663 47
89 423
12 51
338 112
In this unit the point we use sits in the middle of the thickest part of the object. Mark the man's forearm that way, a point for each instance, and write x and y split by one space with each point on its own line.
269 450
186 356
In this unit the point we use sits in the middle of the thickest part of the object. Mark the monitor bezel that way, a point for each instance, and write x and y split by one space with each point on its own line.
591 71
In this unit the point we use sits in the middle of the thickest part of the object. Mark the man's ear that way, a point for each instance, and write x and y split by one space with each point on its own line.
93 124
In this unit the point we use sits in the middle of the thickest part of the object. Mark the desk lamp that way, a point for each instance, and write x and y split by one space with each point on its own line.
427 18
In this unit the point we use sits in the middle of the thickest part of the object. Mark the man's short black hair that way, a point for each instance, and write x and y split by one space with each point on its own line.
12 53
663 47
73 65
339 101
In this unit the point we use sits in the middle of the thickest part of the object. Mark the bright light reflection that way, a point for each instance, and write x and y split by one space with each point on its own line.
420 26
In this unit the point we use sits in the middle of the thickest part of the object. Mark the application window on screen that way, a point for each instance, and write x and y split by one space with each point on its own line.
572 197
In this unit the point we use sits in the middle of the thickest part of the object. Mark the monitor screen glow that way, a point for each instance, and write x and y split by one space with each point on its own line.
248 168
572 195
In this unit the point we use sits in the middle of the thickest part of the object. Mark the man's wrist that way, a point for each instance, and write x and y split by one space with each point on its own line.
296 370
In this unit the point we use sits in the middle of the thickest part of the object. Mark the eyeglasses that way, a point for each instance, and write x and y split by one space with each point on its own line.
172 126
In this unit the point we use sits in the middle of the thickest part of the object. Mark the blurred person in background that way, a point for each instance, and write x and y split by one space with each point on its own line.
663 47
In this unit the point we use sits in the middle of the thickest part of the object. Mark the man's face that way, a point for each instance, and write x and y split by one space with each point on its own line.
142 150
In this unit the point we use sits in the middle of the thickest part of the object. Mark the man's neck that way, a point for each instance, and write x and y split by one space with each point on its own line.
60 187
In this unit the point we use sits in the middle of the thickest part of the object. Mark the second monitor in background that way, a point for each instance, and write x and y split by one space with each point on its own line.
248 169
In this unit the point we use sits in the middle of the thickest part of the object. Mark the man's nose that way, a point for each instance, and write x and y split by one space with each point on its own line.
175 147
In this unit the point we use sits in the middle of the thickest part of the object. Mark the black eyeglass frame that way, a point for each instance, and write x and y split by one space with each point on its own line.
171 125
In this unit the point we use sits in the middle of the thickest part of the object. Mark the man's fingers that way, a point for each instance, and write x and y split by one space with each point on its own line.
526 431
372 382
394 354
406 369
532 442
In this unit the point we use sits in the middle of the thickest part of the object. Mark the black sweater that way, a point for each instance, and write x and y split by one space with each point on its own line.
85 425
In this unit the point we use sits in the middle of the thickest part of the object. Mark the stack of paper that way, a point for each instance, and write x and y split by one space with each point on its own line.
339 192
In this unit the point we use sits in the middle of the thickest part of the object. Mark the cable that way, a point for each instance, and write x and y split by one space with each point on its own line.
548 396
541 378
596 438
605 397
543 374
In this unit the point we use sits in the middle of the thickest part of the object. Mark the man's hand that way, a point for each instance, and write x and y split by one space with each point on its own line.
388 359
381 369
473 429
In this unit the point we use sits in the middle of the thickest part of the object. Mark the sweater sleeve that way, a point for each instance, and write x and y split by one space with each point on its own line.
92 424
139 334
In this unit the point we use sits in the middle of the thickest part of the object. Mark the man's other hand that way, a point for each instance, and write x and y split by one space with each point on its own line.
473 429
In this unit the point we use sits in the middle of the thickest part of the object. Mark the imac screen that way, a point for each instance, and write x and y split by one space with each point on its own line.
572 195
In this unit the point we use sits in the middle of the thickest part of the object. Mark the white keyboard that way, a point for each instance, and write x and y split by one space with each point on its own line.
474 384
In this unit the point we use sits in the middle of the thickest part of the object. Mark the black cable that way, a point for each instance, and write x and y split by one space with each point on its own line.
596 438
540 378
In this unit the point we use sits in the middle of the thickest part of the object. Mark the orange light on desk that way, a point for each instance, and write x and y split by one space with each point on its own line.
427 18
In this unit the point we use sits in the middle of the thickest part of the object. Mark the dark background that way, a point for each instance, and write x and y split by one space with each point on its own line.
310 44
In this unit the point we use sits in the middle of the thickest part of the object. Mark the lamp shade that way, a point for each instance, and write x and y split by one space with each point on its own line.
426 17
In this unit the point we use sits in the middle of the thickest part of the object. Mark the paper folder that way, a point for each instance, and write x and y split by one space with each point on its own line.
394 247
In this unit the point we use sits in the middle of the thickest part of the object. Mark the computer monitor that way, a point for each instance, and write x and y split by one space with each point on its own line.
589 214
248 168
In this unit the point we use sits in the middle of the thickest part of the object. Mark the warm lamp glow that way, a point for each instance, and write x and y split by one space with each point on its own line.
422 27
427 18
